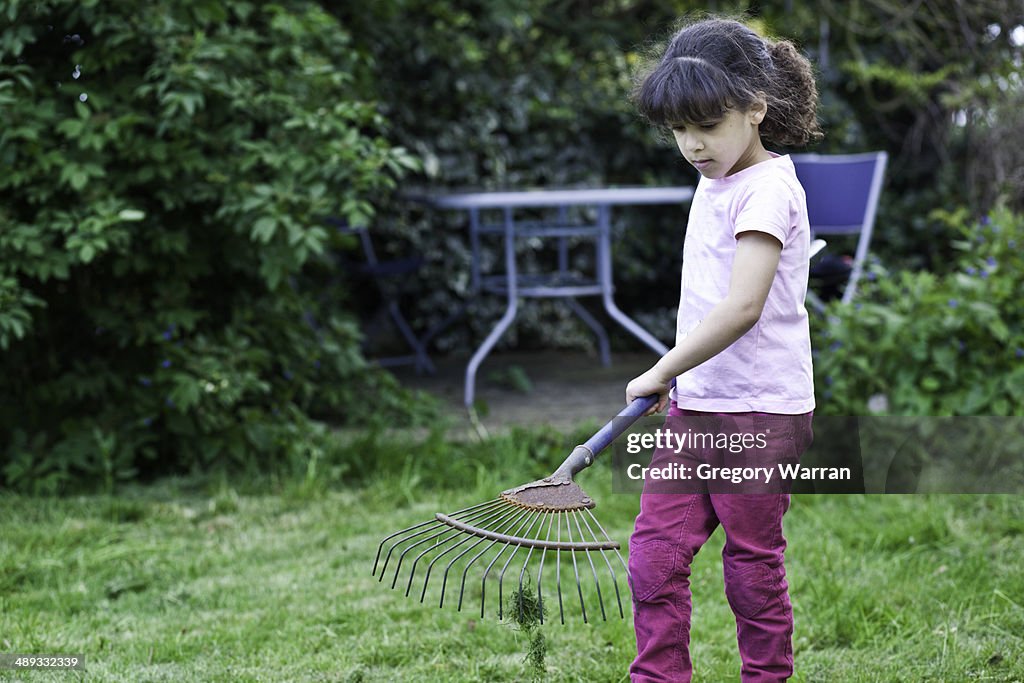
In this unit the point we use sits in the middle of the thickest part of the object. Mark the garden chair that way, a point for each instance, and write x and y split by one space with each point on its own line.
842 199
384 275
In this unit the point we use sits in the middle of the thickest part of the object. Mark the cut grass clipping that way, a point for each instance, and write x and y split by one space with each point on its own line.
527 613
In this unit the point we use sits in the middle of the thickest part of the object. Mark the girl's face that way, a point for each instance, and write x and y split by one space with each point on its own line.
721 148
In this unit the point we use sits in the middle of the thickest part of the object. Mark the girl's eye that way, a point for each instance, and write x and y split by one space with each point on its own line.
706 125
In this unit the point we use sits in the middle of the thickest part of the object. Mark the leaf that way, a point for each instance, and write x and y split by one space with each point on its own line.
131 215
263 229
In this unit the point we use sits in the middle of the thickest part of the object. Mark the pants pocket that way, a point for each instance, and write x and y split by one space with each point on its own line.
748 589
650 565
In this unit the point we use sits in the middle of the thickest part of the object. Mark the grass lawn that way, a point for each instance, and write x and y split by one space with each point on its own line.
175 583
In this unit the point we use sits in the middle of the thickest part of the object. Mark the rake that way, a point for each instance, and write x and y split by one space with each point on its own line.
543 523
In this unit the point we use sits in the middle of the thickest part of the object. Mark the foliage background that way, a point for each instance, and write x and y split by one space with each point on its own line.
169 297
162 236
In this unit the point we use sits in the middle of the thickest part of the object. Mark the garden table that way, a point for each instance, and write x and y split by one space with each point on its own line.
562 283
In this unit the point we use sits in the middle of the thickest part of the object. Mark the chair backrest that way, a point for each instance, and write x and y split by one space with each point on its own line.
842 190
842 199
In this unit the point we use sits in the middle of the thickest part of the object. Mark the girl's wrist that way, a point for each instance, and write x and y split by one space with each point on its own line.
661 373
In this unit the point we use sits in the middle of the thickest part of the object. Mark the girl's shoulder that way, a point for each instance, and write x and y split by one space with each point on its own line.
774 179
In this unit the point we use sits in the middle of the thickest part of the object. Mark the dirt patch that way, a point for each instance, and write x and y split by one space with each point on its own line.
558 388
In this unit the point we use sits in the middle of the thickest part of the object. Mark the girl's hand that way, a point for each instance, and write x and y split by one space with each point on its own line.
651 382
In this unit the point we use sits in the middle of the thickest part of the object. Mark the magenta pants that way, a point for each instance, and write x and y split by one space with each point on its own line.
675 522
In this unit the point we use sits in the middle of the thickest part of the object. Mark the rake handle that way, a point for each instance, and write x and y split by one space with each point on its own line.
583 456
620 423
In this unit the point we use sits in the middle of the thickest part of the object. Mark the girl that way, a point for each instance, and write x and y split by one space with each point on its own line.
742 359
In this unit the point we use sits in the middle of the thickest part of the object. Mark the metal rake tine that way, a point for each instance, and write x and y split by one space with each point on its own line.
483 581
452 535
540 572
430 567
575 569
597 582
558 569
435 524
404 531
388 538
444 582
465 571
615 578
501 577
522 573
455 535
625 569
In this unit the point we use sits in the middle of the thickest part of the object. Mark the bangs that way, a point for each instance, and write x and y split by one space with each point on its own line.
685 90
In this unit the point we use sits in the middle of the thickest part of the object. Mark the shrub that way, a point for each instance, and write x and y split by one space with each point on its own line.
933 345
167 172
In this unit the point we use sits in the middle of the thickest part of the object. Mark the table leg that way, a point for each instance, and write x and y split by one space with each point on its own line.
422 360
604 264
593 324
506 320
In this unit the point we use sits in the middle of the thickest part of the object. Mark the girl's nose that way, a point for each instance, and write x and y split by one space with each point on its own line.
688 143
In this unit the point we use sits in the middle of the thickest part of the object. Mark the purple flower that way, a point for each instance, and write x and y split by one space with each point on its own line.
991 261
985 220
147 421
145 381
872 276
1012 244
984 274
287 375
316 364
169 403
166 363
1019 353
828 380
169 332
960 345
835 346
971 270
953 303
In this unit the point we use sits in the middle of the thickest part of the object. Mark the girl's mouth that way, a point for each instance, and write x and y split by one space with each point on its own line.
701 164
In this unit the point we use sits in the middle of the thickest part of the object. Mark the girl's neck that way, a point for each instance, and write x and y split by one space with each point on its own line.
754 154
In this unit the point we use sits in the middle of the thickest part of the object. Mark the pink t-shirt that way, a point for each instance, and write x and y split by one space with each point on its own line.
768 369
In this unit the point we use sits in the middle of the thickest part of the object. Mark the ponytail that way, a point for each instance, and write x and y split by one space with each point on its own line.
791 119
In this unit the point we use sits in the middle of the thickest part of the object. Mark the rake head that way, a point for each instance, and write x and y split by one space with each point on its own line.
544 531
497 537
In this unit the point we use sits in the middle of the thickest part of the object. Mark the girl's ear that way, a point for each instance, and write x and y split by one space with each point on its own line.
758 109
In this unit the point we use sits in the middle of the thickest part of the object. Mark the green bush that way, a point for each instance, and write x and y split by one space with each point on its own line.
514 95
534 93
167 171
921 344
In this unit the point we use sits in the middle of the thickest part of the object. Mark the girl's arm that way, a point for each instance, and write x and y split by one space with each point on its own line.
753 270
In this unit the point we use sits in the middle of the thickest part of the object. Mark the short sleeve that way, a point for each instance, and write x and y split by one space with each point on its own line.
767 205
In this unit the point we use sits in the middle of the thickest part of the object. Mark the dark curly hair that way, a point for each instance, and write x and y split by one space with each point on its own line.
714 65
